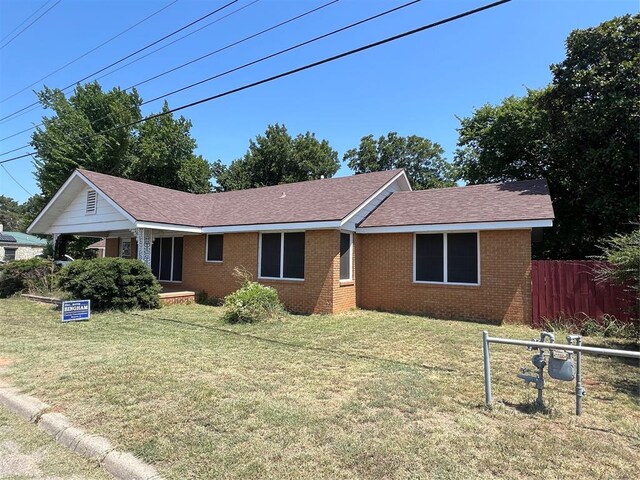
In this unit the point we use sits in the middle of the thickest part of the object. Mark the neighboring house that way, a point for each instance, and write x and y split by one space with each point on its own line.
325 245
19 246
99 247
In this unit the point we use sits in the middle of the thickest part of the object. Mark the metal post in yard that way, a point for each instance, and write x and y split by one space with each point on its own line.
579 389
487 369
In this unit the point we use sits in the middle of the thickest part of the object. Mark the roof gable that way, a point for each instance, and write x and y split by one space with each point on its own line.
67 209
311 201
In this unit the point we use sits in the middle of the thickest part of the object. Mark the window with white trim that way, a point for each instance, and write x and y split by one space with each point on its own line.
9 253
92 202
215 244
346 255
282 255
446 258
166 258
125 247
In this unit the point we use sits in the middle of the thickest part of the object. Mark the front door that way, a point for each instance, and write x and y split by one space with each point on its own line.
166 259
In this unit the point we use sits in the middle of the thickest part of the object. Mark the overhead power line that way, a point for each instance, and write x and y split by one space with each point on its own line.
17 182
34 21
213 12
300 69
202 57
280 52
25 20
140 22
177 40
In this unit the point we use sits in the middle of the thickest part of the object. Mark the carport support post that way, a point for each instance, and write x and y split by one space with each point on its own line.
487 369
144 238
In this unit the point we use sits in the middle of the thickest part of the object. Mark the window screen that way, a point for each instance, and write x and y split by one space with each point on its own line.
166 248
214 248
270 255
429 257
345 256
177 259
293 264
462 257
155 257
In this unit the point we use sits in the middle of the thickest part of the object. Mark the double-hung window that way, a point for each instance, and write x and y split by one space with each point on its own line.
446 258
282 255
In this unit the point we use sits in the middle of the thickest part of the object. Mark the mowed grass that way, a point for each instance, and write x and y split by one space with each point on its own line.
358 395
27 452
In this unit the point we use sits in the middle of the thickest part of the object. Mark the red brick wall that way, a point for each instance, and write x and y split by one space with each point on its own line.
319 292
385 279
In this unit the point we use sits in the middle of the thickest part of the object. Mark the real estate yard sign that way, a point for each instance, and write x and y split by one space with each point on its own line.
76 310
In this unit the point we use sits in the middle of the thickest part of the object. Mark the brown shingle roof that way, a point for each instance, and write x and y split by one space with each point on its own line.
311 201
525 200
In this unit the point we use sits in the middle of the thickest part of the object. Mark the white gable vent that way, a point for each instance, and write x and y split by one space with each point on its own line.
92 202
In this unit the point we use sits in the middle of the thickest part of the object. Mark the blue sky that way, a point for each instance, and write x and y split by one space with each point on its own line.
417 85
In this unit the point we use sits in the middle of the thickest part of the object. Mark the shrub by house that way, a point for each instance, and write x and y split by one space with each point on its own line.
111 283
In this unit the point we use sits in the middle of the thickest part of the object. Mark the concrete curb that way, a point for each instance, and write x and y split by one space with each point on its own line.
122 465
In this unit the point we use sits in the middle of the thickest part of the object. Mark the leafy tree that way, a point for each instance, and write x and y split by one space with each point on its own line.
163 155
422 159
71 138
277 158
10 213
621 263
582 133
30 210
83 134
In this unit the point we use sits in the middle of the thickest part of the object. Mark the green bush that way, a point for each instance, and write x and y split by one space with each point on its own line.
607 326
252 302
36 275
111 283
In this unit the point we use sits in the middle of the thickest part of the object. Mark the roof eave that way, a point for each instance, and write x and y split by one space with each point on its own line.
458 227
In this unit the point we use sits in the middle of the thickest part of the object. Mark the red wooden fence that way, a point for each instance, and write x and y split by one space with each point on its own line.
567 288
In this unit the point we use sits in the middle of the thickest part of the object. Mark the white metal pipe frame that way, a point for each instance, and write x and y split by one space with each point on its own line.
541 346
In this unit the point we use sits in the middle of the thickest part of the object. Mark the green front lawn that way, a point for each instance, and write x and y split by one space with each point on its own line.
358 395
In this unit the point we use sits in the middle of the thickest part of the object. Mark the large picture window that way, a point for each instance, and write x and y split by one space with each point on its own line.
166 259
282 255
215 245
446 258
346 246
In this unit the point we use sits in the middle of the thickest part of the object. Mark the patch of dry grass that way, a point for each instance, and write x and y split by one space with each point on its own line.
29 453
358 395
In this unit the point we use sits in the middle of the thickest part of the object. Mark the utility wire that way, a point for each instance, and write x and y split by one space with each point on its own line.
90 51
238 42
177 40
17 182
302 68
34 21
131 54
25 20
288 49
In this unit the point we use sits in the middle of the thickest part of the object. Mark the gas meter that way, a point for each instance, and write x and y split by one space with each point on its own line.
561 365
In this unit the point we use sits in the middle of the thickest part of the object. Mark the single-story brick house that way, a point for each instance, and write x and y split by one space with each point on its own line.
19 246
325 245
